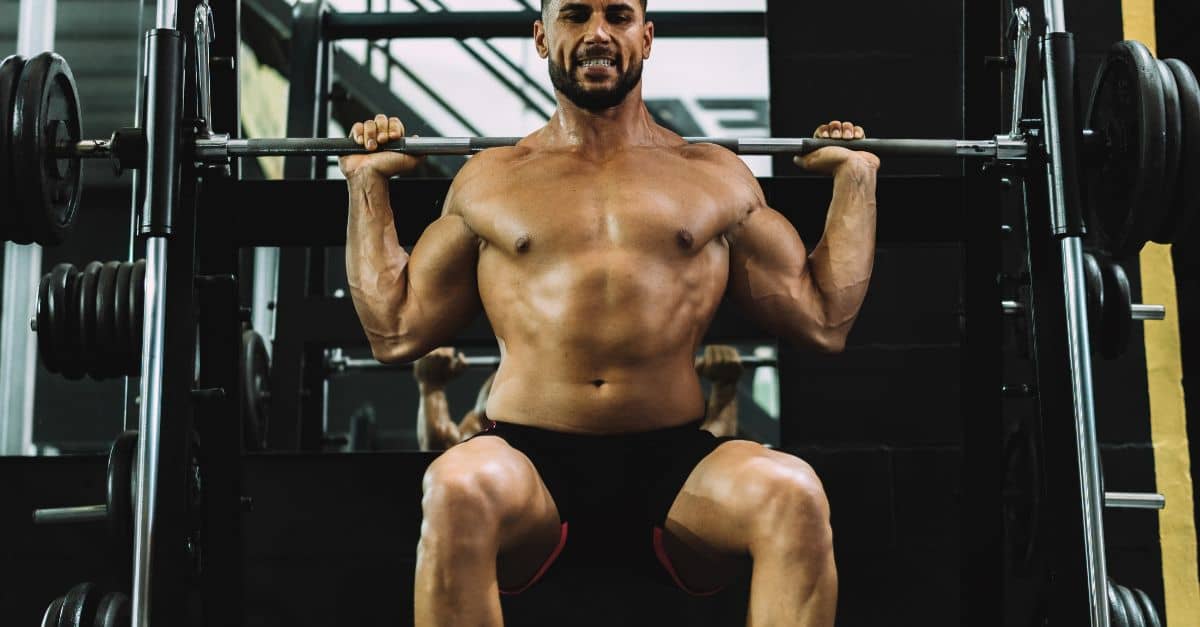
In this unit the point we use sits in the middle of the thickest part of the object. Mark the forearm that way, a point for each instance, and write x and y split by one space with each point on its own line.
721 415
435 430
840 265
376 264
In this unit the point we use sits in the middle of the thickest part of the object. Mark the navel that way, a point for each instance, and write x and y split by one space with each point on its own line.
684 238
523 243
598 383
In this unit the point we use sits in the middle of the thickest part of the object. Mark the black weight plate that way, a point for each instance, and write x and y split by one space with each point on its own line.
254 369
53 611
1124 188
79 606
113 611
86 315
73 366
1094 278
106 327
58 309
46 114
45 328
1118 614
1149 610
1136 618
124 317
11 218
122 460
1162 232
137 299
1117 321
1187 188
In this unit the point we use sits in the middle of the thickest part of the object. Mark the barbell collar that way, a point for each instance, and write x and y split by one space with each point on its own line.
1139 312
80 514
1134 500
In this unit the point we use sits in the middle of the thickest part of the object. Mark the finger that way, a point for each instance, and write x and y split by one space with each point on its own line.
835 129
369 133
822 131
848 130
397 128
356 132
859 133
381 126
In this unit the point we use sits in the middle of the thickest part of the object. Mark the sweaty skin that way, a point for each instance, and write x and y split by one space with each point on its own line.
600 266
599 248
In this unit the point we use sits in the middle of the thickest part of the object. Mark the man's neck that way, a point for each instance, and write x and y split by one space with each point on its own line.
602 132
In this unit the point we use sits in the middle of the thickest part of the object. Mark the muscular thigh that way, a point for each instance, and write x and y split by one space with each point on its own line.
729 503
523 519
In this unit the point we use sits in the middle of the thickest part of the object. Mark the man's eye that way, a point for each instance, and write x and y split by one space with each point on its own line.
576 16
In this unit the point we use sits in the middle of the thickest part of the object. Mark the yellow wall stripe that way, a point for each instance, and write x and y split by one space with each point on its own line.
1168 416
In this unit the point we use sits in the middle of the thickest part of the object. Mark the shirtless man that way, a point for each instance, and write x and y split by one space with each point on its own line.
437 431
599 247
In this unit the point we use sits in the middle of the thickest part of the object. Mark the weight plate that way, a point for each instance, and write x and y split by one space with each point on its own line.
73 366
1132 608
113 611
53 611
46 115
1118 615
11 220
1094 277
86 315
1117 321
57 308
79 606
1174 147
122 459
124 318
1124 187
45 328
137 293
1149 610
254 369
1187 187
106 365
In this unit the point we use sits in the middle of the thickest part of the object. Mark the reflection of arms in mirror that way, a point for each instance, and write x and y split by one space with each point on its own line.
436 431
722 366
473 421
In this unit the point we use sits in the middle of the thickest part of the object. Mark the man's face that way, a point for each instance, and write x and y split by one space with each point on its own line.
595 49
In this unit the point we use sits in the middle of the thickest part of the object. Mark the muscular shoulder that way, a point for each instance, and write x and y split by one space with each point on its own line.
479 174
728 170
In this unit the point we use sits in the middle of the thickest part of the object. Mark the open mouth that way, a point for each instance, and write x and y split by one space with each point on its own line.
597 63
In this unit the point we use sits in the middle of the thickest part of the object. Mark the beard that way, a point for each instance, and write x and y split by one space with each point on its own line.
594 100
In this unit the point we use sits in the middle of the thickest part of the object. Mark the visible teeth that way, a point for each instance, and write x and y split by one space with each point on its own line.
597 62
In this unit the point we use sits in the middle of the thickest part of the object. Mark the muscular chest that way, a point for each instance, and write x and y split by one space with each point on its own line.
557 205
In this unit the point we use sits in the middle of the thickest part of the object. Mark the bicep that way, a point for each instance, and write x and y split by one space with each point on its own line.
769 275
443 293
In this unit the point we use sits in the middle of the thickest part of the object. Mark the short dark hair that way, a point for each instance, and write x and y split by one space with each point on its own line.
545 2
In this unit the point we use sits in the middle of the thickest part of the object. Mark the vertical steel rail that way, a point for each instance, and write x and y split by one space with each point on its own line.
163 111
1062 129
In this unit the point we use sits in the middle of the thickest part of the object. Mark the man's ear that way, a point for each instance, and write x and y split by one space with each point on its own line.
539 39
647 39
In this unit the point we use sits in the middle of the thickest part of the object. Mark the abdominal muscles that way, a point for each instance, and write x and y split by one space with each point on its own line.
600 340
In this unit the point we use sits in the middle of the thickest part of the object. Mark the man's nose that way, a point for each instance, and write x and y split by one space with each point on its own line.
597 30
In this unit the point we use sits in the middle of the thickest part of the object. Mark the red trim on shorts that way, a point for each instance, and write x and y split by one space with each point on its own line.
661 552
562 542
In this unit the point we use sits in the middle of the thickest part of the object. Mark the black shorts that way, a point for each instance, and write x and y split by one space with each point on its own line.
613 492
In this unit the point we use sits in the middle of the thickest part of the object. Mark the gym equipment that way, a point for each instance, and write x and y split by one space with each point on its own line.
1142 115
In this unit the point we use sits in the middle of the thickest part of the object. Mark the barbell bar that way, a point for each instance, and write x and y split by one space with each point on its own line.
339 364
219 147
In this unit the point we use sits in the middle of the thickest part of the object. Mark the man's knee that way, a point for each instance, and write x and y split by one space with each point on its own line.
791 508
476 487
